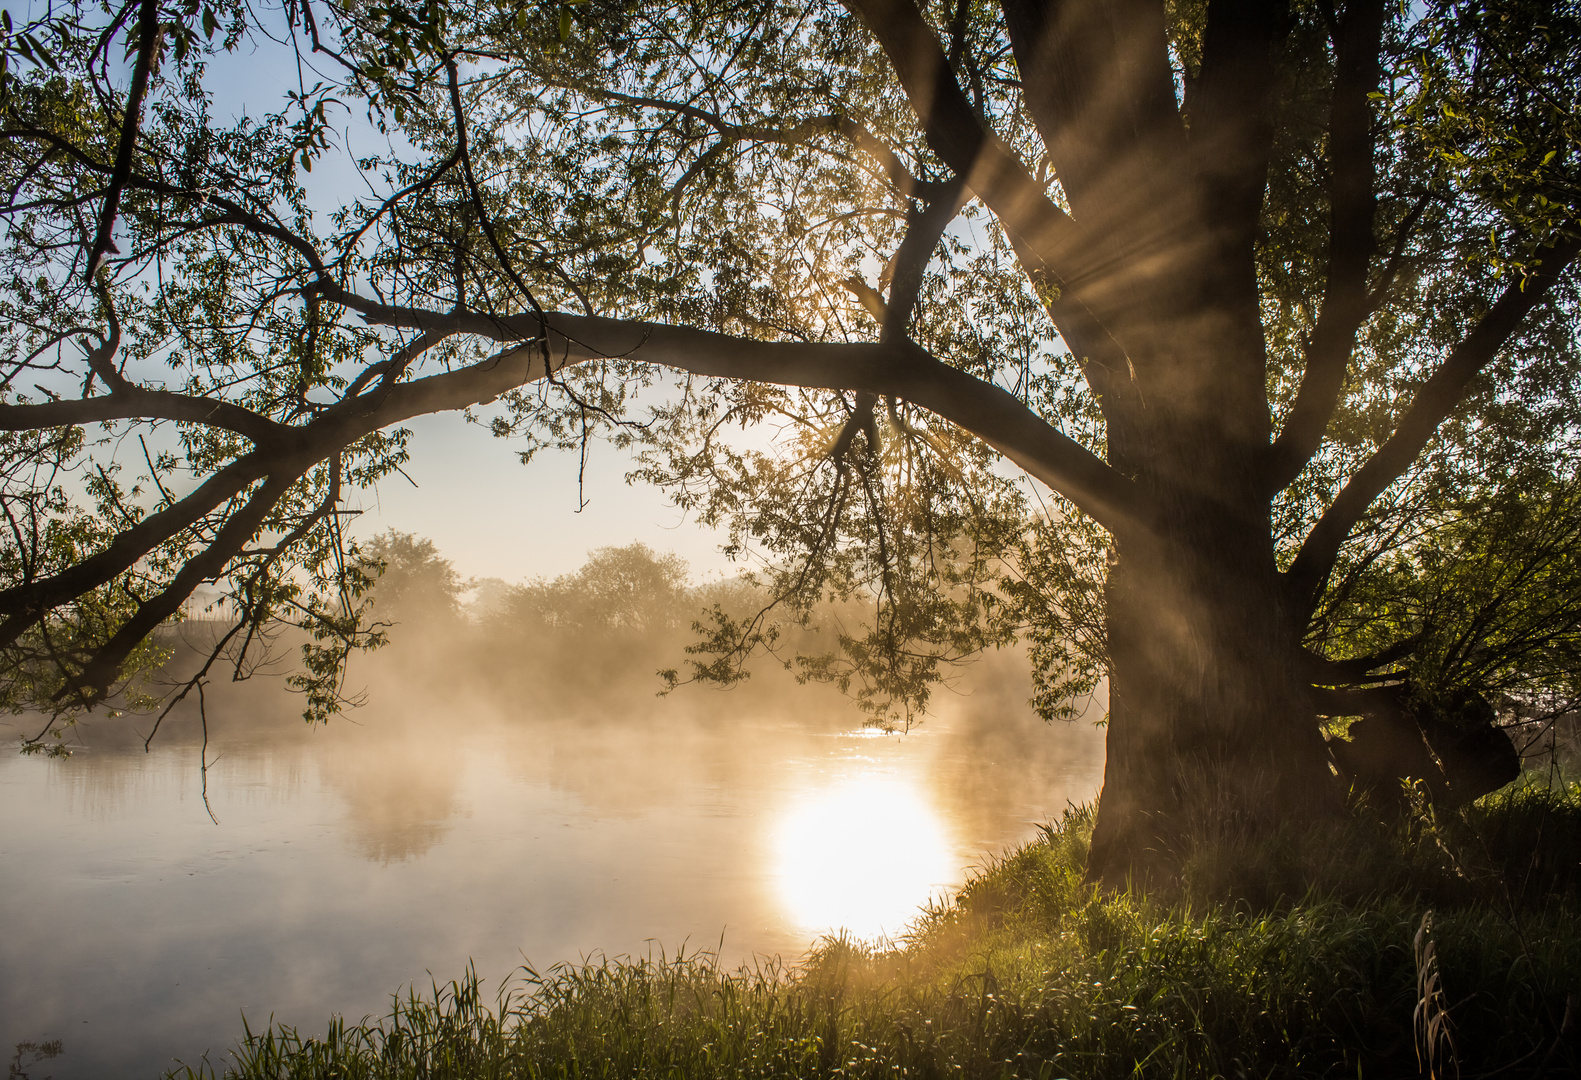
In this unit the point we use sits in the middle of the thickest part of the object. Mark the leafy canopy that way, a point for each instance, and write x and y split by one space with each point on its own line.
217 321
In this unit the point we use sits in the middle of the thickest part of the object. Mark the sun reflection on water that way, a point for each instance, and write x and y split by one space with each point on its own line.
861 855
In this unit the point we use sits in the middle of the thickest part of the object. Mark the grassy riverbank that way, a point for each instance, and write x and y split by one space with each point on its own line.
1031 973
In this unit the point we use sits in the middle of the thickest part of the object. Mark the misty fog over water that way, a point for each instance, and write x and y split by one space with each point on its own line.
448 819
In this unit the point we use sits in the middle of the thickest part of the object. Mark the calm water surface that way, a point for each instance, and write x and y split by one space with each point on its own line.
434 828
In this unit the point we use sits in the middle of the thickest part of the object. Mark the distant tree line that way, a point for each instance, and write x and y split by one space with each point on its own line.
631 597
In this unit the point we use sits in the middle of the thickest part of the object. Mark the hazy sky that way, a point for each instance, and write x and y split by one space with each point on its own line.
494 517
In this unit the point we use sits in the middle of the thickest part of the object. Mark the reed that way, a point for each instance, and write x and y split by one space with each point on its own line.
1029 972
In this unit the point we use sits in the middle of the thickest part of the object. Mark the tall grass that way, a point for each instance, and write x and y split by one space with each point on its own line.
1029 972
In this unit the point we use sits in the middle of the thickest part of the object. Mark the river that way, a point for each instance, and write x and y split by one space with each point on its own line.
328 867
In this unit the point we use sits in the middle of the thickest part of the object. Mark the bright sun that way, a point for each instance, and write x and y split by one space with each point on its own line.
861 855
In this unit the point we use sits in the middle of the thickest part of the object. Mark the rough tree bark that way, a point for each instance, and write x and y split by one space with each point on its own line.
1210 726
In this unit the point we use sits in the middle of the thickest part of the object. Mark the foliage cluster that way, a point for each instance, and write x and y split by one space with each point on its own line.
630 592
1030 972
1486 593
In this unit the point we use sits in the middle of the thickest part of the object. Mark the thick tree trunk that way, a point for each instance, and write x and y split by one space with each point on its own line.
1211 736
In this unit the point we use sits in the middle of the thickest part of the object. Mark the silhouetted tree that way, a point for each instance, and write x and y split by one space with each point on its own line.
631 591
1255 289
415 582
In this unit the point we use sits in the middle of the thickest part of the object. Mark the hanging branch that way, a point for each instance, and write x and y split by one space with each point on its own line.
150 38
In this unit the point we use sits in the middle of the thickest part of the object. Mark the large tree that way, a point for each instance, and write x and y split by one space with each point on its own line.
1263 293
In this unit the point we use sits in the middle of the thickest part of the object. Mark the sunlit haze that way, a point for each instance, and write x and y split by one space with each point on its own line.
862 855
445 823
494 517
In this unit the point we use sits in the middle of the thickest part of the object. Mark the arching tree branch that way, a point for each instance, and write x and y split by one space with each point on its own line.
1064 255
901 369
101 671
136 403
1352 243
25 604
1433 403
